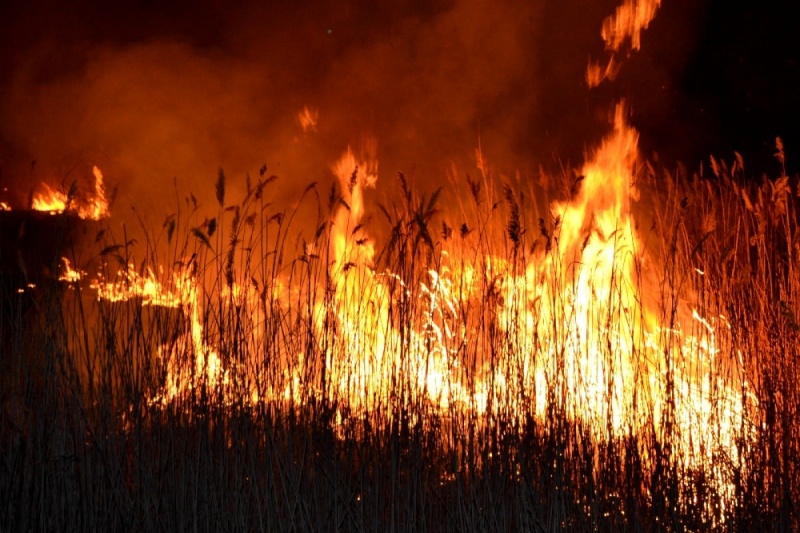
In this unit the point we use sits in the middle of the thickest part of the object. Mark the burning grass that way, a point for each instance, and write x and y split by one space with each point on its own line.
494 367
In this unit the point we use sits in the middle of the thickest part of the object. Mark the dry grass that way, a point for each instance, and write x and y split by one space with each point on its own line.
84 447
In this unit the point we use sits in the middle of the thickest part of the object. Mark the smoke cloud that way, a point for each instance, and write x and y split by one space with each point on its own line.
157 94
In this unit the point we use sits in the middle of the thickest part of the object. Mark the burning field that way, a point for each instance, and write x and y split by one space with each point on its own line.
611 347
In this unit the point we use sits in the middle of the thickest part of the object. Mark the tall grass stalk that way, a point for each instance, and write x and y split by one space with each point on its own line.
289 437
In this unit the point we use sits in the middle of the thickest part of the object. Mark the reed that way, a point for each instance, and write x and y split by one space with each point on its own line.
432 384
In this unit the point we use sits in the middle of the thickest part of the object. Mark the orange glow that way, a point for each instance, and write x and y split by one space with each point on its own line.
180 292
473 335
207 370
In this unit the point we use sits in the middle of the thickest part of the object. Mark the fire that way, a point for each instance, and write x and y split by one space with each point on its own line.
50 200
580 329
470 335
53 201
180 291
582 333
629 21
148 288
596 250
70 275
564 308
308 118
627 24
359 300
474 334
205 369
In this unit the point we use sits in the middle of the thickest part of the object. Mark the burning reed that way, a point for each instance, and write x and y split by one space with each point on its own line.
498 366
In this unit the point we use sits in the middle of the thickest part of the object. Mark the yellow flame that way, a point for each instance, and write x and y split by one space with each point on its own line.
97 207
572 330
147 287
70 275
207 369
577 312
49 200
53 201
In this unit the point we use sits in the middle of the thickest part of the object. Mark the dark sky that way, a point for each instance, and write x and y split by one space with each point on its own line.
733 86
156 91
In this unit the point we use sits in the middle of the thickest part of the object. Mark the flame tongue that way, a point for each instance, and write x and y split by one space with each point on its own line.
597 310
627 23
49 200
98 205
350 245
94 207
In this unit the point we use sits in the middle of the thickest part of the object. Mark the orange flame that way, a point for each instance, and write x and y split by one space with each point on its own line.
70 275
181 292
627 24
308 118
147 287
50 200
53 201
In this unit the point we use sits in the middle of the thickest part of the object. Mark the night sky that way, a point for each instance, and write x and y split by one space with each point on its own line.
735 86
156 91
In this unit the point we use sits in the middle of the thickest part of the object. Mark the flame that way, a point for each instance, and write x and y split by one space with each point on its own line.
476 335
53 201
596 249
148 288
308 119
582 332
627 24
350 245
567 330
600 265
207 370
70 275
180 292
50 200
359 301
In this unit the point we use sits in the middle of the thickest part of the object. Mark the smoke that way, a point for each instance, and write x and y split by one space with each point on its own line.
161 95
